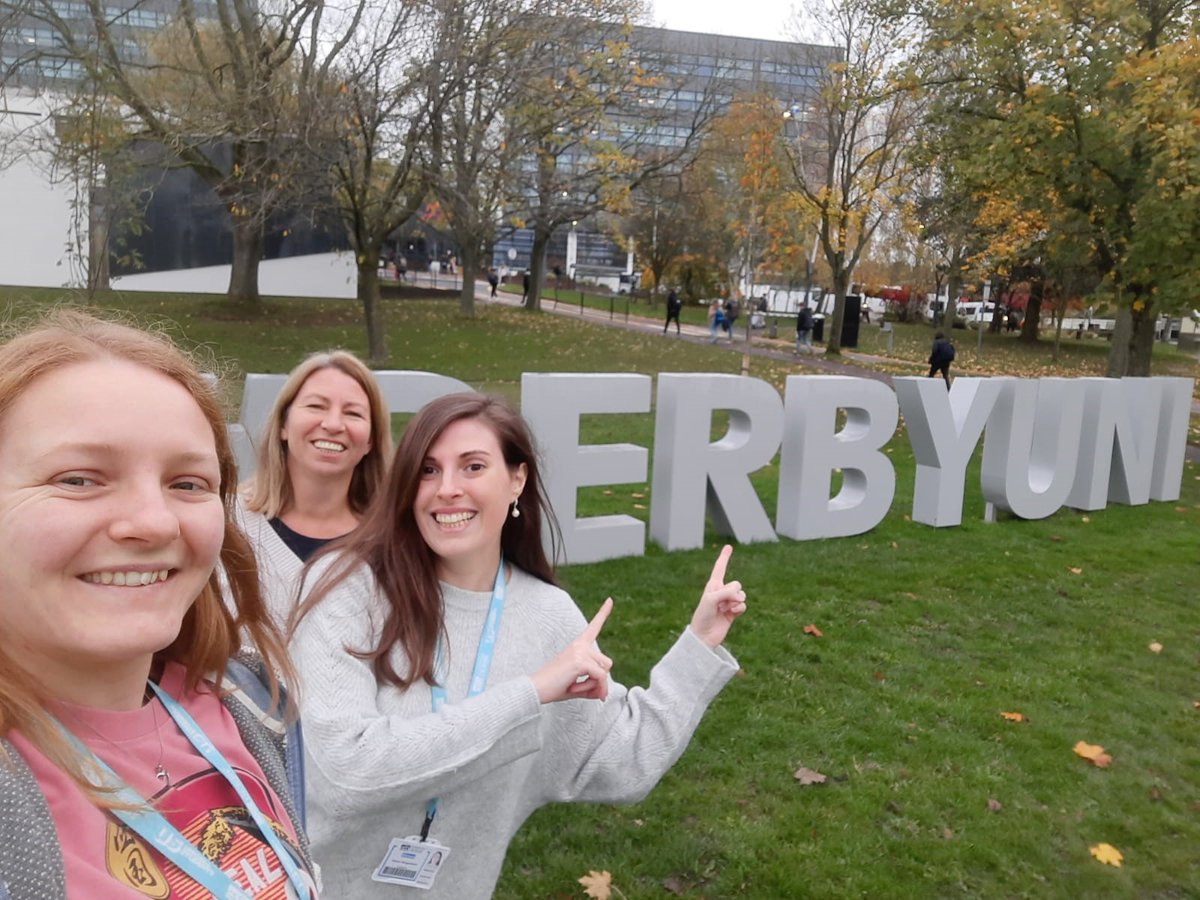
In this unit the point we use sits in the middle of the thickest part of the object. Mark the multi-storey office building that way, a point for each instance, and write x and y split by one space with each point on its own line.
697 71
32 51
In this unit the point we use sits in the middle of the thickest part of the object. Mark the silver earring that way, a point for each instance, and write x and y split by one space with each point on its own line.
516 512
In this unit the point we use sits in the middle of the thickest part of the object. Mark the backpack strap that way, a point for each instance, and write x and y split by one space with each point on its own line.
249 685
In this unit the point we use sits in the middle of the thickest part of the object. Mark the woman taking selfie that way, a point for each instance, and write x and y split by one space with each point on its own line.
321 457
141 760
451 688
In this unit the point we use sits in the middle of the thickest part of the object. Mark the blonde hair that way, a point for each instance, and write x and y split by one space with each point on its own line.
270 491
210 633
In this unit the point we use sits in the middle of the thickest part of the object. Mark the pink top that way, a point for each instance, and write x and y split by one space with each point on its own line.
103 858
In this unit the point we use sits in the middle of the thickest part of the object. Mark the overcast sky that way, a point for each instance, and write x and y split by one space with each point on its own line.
767 19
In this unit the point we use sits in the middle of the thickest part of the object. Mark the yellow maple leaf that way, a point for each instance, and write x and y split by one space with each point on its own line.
1013 716
1094 754
1107 854
1155 647
597 885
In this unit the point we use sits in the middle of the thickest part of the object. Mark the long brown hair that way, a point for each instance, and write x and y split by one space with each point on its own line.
270 493
390 543
210 633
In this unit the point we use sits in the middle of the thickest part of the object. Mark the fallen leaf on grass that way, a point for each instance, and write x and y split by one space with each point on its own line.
1013 717
1155 647
1075 570
808 776
1084 519
813 630
878 676
639 506
1107 854
637 496
948 834
994 805
597 885
1094 754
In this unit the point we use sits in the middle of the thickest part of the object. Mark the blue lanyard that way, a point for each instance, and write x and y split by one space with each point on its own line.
479 674
165 837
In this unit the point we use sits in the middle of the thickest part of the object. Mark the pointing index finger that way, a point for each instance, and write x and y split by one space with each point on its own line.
717 578
593 628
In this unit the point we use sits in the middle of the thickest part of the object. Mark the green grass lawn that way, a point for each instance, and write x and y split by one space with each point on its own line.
928 636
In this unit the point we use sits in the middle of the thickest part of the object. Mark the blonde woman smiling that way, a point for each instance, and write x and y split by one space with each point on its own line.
321 458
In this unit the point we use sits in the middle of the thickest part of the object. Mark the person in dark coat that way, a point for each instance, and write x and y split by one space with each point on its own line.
941 357
525 283
674 307
804 326
494 281
731 314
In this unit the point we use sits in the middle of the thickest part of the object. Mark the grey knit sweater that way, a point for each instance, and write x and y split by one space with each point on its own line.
377 754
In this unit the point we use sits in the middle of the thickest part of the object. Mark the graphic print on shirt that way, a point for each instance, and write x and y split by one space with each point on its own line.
208 813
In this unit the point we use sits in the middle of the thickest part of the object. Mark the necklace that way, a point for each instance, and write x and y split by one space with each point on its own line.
160 771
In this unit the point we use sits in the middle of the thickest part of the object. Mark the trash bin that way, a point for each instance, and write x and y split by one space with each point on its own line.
818 329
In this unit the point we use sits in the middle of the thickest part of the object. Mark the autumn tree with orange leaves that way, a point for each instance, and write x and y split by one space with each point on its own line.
1084 116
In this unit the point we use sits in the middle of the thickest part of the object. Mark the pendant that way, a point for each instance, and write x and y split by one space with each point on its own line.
162 775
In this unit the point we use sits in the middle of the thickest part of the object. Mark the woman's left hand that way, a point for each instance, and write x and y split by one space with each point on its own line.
719 605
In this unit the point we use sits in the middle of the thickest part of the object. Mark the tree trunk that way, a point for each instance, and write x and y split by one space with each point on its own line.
97 270
468 265
953 286
247 251
1033 312
1132 343
537 267
368 293
833 329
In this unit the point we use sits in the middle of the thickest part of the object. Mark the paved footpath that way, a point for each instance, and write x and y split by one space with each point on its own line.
852 362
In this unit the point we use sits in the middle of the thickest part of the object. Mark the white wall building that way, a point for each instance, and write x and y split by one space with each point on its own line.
36 226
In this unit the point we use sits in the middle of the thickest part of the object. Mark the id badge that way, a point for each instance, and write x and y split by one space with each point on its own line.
411 862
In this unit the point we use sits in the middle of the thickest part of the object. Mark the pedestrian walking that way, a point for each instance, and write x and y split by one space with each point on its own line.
804 326
731 316
716 318
674 307
494 281
941 357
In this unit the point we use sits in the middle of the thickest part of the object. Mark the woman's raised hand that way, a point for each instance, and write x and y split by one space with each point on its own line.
719 605
581 670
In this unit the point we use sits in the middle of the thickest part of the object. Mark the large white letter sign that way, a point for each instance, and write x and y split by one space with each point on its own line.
1173 417
691 473
1120 426
813 449
403 391
1031 444
943 428
552 405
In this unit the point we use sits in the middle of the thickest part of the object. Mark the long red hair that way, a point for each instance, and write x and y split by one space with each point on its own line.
211 633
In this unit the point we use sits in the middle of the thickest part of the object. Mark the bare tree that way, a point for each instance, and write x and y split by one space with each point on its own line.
369 140
849 153
592 120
